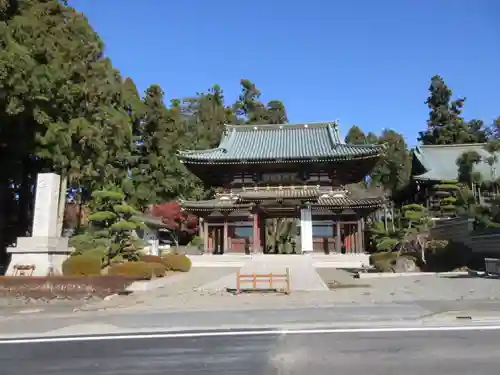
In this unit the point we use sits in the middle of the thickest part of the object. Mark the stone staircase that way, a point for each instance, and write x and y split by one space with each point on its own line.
318 260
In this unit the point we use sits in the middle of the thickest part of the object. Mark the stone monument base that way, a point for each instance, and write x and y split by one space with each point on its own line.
38 256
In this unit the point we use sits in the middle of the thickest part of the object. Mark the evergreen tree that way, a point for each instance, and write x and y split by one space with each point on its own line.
60 107
253 111
355 136
447 193
445 124
393 170
206 114
112 224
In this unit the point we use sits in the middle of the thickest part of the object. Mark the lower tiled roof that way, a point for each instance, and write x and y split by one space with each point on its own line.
215 205
243 204
350 202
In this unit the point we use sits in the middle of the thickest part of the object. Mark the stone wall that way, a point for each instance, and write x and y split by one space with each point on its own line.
460 230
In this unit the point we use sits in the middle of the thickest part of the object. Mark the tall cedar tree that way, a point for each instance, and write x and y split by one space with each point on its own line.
206 114
253 111
393 170
355 136
60 107
445 124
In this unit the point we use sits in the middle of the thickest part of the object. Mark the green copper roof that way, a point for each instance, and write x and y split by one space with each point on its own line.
240 203
440 161
271 143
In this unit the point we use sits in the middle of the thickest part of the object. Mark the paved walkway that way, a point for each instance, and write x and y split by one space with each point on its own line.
176 285
303 275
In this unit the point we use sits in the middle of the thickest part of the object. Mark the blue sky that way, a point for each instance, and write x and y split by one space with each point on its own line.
359 61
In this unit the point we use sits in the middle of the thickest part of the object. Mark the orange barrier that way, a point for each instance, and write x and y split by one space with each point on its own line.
256 280
24 270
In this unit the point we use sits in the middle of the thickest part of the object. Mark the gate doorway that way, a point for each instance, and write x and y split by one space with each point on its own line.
216 239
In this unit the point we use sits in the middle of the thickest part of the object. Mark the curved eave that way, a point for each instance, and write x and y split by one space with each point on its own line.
204 206
197 160
350 203
428 176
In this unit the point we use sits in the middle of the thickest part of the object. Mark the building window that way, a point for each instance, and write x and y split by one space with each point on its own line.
244 178
318 177
323 228
242 229
279 178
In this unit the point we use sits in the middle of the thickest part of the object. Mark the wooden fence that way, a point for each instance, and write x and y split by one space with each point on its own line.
460 230
263 282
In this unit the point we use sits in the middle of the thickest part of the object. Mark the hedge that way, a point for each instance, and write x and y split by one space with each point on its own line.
177 262
82 265
139 270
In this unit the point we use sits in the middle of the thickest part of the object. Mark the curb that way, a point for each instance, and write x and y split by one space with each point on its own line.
382 275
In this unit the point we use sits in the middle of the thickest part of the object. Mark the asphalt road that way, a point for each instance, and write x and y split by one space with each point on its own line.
54 321
409 353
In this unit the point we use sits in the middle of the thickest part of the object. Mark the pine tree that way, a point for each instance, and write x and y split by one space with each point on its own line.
112 224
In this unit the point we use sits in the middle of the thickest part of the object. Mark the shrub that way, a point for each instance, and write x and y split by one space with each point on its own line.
101 253
151 259
82 265
139 270
387 244
383 261
447 256
196 241
159 269
177 262
88 241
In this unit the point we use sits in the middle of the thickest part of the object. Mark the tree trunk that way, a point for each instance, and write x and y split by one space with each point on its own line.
62 204
3 221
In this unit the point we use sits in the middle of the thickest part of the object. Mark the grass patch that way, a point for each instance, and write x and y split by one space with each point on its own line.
66 287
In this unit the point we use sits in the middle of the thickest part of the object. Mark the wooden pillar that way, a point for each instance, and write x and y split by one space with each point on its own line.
200 227
256 233
262 232
226 237
363 246
205 237
358 238
338 243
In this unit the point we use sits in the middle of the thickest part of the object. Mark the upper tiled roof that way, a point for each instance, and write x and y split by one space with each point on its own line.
440 161
271 143
273 194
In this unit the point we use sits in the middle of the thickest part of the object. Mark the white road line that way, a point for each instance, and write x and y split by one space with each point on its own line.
173 335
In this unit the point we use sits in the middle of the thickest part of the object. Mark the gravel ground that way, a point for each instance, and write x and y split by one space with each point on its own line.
181 294
390 290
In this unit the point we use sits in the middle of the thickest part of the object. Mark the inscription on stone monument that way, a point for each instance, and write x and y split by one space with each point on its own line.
46 205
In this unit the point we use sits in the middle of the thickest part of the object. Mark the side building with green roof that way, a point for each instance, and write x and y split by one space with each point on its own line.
268 172
435 164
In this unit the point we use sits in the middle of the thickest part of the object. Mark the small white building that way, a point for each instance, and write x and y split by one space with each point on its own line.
151 233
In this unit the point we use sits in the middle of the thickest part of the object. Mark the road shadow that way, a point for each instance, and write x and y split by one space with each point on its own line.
469 276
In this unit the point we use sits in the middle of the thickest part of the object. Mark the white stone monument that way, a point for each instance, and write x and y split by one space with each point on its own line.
44 252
